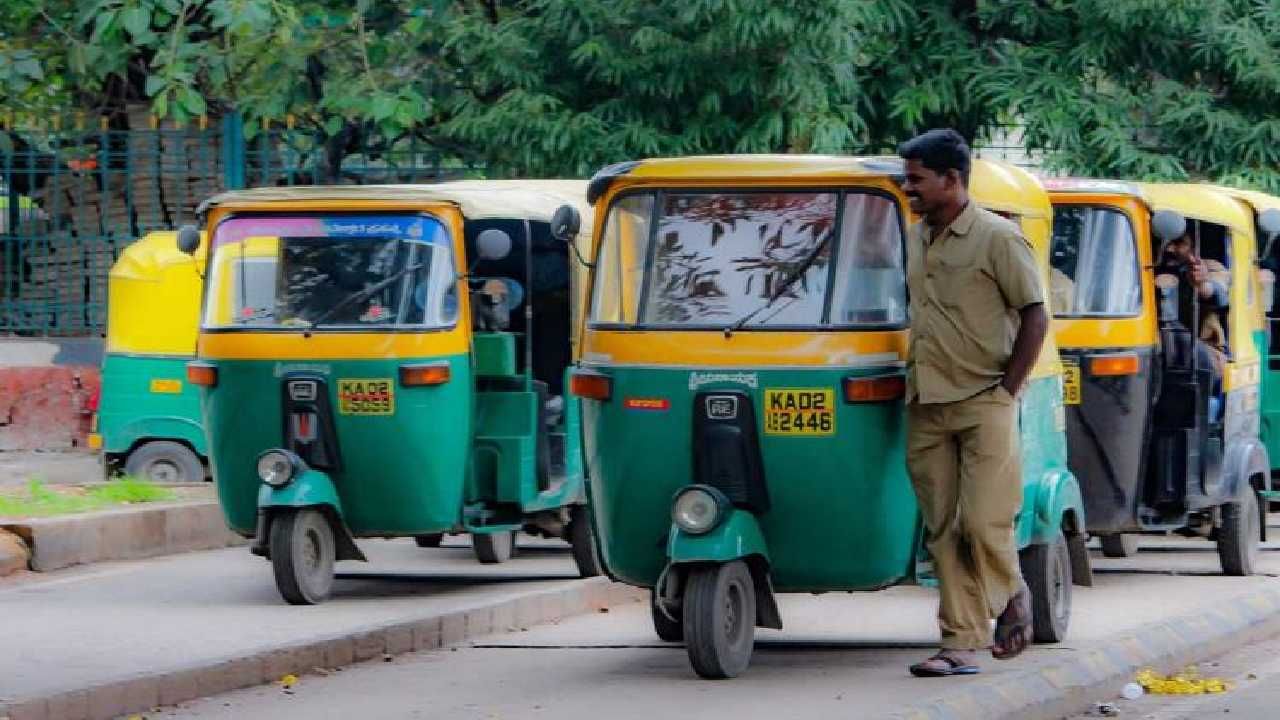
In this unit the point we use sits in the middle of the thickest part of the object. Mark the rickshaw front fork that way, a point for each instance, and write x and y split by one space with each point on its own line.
344 544
669 591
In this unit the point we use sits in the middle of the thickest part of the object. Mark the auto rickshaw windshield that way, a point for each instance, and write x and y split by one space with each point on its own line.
341 271
1094 261
779 259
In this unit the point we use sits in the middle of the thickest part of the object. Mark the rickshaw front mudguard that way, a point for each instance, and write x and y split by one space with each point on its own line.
1059 506
1248 464
311 489
737 537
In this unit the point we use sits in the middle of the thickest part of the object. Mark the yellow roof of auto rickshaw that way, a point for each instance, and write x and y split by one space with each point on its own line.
997 185
1198 201
535 200
1259 201
1091 186
151 255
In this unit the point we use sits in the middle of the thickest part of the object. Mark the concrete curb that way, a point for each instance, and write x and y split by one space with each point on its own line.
1066 687
125 534
14 554
144 692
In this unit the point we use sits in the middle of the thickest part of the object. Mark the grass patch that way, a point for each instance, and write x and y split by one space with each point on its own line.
41 500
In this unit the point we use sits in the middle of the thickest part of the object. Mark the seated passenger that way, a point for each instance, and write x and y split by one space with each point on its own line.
1062 292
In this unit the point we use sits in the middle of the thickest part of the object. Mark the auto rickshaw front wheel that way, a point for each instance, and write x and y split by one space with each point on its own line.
1047 572
720 619
302 556
1239 534
493 548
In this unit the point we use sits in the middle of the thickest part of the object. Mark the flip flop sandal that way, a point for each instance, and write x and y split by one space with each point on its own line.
1013 636
953 667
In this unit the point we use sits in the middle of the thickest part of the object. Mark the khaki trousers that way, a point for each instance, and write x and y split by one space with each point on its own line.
963 458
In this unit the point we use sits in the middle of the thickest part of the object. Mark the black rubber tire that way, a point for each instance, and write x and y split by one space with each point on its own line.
1119 545
580 541
668 629
430 540
493 548
302 556
720 619
165 461
1047 571
1239 536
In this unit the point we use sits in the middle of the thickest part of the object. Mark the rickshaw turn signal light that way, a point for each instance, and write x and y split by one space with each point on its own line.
418 375
592 386
202 374
874 389
1113 365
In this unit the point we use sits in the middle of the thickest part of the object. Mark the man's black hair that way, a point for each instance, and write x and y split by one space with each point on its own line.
940 150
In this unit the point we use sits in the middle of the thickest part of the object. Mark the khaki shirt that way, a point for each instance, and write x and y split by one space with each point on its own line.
966 290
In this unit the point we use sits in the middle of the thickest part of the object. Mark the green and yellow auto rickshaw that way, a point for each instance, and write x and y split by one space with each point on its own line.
1266 215
147 422
742 375
1162 395
389 361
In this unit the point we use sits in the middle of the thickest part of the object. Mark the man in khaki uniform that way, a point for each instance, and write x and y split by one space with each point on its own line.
977 325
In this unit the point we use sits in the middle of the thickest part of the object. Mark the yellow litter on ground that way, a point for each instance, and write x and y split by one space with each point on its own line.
1187 682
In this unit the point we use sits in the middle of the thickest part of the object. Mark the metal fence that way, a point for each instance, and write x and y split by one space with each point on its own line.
74 194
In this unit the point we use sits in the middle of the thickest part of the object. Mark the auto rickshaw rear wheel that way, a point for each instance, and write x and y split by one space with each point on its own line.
670 628
493 548
1047 571
165 461
430 540
720 619
302 556
1239 535
1119 545
584 549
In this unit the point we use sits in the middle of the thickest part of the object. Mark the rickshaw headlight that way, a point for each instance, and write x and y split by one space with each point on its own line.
278 468
698 509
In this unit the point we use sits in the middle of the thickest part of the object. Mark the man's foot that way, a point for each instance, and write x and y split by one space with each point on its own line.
946 663
1013 627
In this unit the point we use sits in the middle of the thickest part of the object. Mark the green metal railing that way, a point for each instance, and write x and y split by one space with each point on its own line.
74 194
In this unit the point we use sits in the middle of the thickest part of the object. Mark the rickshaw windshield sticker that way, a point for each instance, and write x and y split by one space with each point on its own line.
413 228
799 411
366 396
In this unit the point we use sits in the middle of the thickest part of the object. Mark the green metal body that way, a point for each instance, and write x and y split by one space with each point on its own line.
138 403
449 459
843 513
1270 411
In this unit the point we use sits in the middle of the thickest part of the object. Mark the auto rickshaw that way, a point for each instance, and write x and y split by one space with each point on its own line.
1162 421
742 372
1266 213
147 422
383 361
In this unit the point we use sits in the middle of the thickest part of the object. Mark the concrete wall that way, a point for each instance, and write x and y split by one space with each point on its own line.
46 387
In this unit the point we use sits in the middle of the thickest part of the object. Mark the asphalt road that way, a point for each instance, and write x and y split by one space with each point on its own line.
839 656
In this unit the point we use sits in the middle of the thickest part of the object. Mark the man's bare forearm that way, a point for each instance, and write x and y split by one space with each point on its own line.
1026 346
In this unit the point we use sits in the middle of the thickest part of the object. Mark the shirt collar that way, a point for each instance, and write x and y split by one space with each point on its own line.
963 222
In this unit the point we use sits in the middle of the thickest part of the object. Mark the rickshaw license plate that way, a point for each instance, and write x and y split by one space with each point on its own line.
800 411
366 396
1071 384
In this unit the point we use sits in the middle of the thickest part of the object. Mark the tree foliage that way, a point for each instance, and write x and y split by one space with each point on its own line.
1142 88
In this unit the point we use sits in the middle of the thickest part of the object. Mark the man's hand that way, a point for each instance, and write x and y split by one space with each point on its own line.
1197 271
1026 346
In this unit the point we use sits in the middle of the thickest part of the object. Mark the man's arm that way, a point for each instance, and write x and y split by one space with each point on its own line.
1026 346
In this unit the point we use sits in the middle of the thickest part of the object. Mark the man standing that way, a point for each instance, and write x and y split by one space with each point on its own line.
977 325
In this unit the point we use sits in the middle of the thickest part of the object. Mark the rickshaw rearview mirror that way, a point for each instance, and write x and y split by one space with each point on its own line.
1269 222
188 239
1168 225
565 223
493 244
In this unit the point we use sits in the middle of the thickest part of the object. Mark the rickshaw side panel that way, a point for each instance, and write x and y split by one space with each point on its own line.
1050 492
1106 433
843 514
416 490
148 398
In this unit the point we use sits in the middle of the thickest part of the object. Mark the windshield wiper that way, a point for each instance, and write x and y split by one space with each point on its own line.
791 279
362 295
